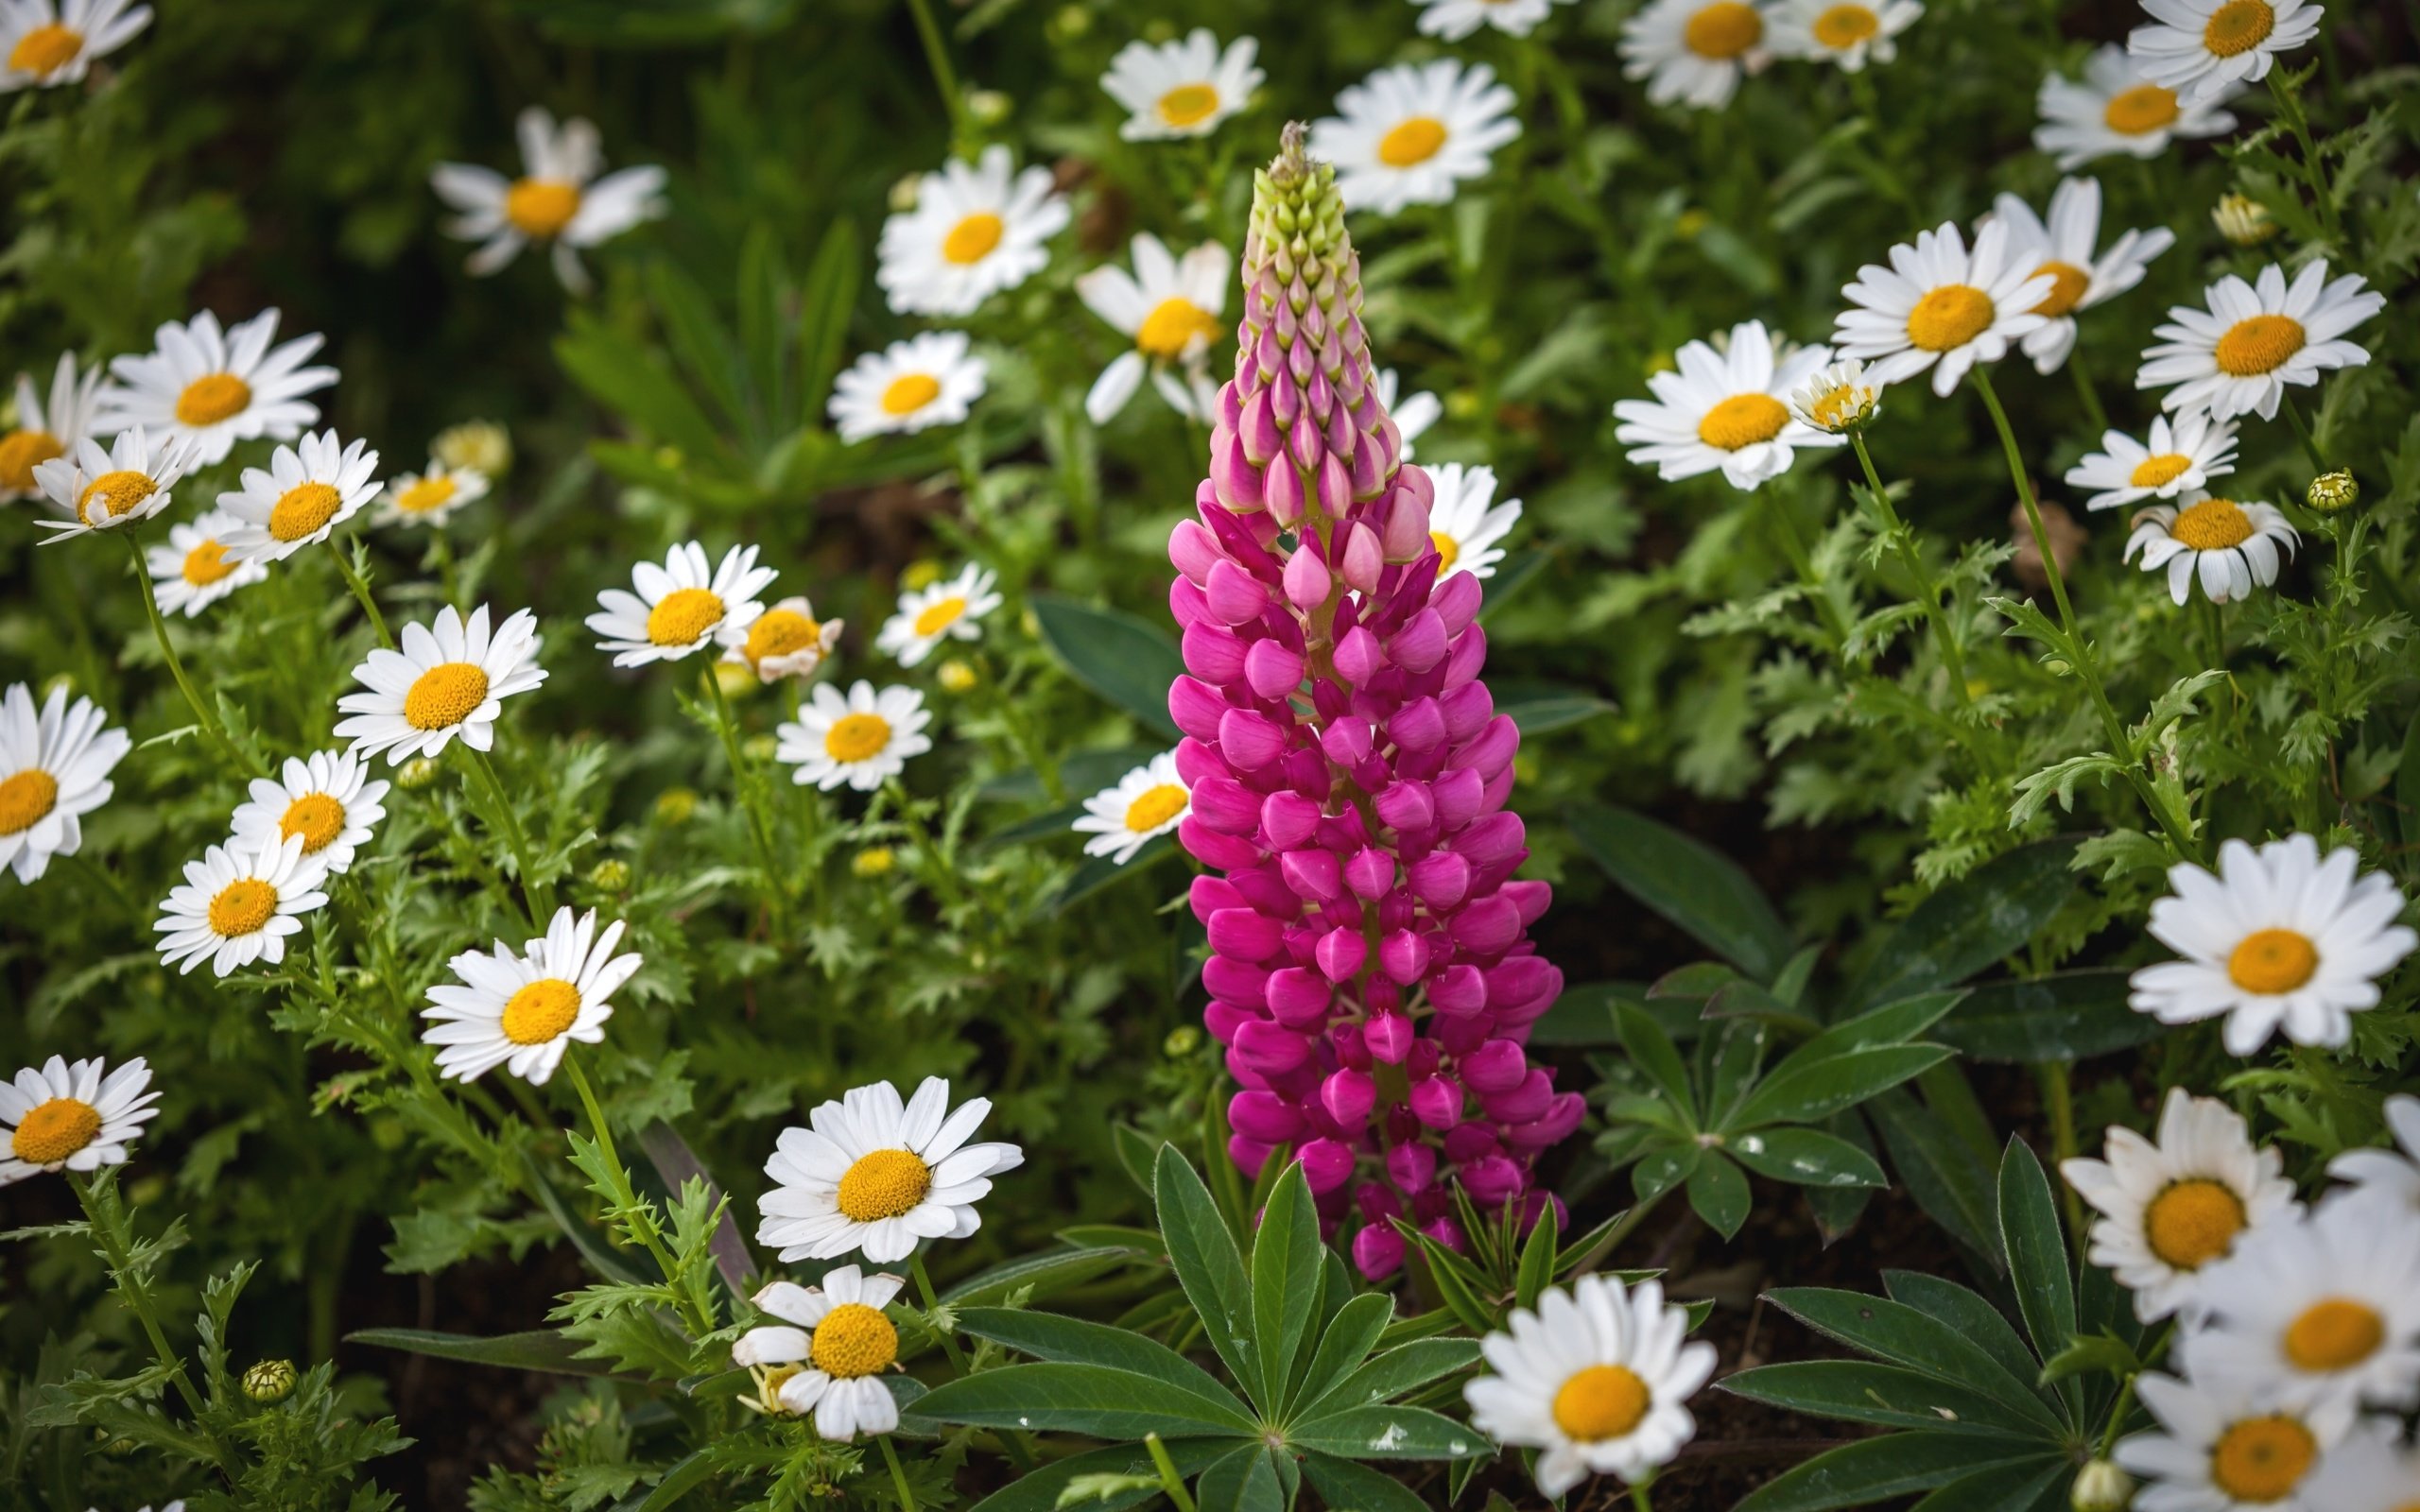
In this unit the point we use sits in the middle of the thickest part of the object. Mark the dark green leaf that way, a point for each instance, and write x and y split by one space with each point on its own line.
1051 1271
762 331
1285 1257
1810 1091
1390 1433
1982 918
1123 658
1836 1209
1075 1341
2093 1354
1698 888
2037 1256
1537 1263
1665 1168
1096 873
1349 1488
1245 1481
1890 1396
1875 1470
1540 709
1902 1336
1207 1264
824 307
2018 1488
1583 1016
1807 1157
1350 1336
689 1472
1039 1490
1081 1398
538 1349
1386 1375
625 376
2069 1016
1719 1191
1968 1313
1942 1172
696 337
1513 573
1652 1050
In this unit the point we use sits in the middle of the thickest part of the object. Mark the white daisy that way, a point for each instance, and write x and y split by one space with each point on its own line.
54 768
2200 47
48 43
69 1115
329 799
2116 110
682 606
1724 410
952 610
869 1174
2221 1446
450 678
2279 938
860 739
1694 51
522 1009
2324 1306
559 198
2174 1206
97 489
1454 20
2385 1175
1848 34
2179 458
2230 546
431 497
1171 309
830 1357
1597 1377
1838 398
1408 134
2371 1470
1939 306
1147 802
1465 523
211 388
787 641
929 379
1413 415
1181 88
195 570
974 231
44 431
2237 356
305 493
2079 279
237 904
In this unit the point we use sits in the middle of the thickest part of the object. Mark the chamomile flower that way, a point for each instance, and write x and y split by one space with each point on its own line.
1144 805
2174 1206
2116 110
974 231
1413 414
48 43
787 641
828 1354
522 1009
2279 938
2180 457
429 497
2200 47
71 1115
1171 307
299 500
2080 276
1695 51
1724 411
2230 547
2387 1175
2226 1446
1180 89
2237 356
1836 400
1851 35
686 604
559 199
238 904
1454 20
1410 134
1465 523
2324 1307
210 389
860 739
328 798
929 379
869 1174
55 766
95 489
449 678
1939 306
949 611
2371 1470
43 431
195 570
1599 1376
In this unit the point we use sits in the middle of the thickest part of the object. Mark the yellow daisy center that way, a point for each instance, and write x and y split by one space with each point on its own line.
2238 26
780 632
2068 286
2215 525
1155 807
304 509
1949 317
2270 960
1173 325
682 615
431 492
205 565
445 694
211 398
1449 551
1836 406
541 207
2262 1459
541 1011
940 615
771 1379
54 1130
2158 472
21 452
2334 1334
25 798
317 817
2145 108
1412 141
1843 27
1743 420
883 1184
1603 1401
853 1340
1188 104
856 737
115 492
242 907
910 392
1723 30
2259 344
971 240
45 50
2192 1222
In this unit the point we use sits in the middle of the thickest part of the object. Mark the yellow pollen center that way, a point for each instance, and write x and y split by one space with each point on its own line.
910 392
45 50
2270 961
853 1340
1723 30
2192 1222
115 492
1949 317
1188 104
2262 1459
2259 344
428 493
2238 26
445 694
2144 109
2334 1334
53 1130
681 616
1603 1401
1173 325
2067 284
1835 407
541 1011
779 632
1843 27
2215 525
541 207
242 907
317 817
21 452
1412 141
25 798
940 615
209 400
2158 472
1743 420
304 509
883 1184
971 240
857 738
1155 807
1449 551
205 565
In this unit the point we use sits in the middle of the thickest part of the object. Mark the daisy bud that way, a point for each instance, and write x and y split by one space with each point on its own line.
270 1380
2102 1486
873 861
477 445
675 806
417 773
957 676
2334 491
2244 221
609 876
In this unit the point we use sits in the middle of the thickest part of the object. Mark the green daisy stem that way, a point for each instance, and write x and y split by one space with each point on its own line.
108 1231
2087 392
932 1315
538 900
634 1215
1638 1494
961 124
202 712
898 1473
928 856
361 591
743 779
2289 107
1952 656
1793 546
2303 434
1171 1481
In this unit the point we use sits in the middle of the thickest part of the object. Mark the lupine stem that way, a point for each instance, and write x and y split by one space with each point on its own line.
361 591
538 902
961 125
209 724
743 779
1171 1481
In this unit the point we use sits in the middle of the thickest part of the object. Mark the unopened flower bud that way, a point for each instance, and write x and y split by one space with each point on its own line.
873 861
480 445
988 105
610 875
417 773
902 193
2102 1486
736 678
269 1381
922 572
1181 1042
2332 492
759 748
2244 221
957 676
675 806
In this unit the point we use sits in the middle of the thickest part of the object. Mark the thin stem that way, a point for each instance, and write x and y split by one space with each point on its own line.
898 1473
1018 1449
626 1195
538 902
2058 1091
2086 391
2117 1414
361 591
1952 656
2303 434
1171 1481
961 124
130 1287
209 724
1795 546
743 780
1638 1494
937 870
2291 107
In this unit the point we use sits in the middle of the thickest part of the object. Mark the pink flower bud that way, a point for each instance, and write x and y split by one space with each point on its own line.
1369 873
1402 956
1306 581
1405 806
1283 493
1369 459
1297 997
1223 1019
1326 1165
1334 488
1411 1167
1388 1037
1496 837
1467 709
1225 805
1249 740
1530 898
1234 479
1420 644
1459 796
1446 1231
1418 726
1349 1095
1237 597
1228 852
1407 538
1196 707
1519 979
1459 989
1265 1117
1212 652
1496 1066
1261 432
1561 1117
1234 981
1358 656
1457 602
1269 1048
1440 879
1377 1252
1486 925
1341 952
1196 761
1492 1182
1492 751
1244 933
1437 1100
1249 1154
1187 603
1348 742
1363 560
1287 819
1194 551
1312 874
1529 1098
1273 670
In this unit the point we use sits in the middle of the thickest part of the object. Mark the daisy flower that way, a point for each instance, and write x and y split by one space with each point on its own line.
1181 88
237 904
2179 457
522 1009
2174 1206
2279 938
300 500
2079 279
860 739
869 1174
2224 1446
2230 546
929 379
2237 356
787 641
2200 47
1597 1377
828 1353
450 678
2385 1175
1939 306
1838 398
69 1115
1170 306
682 606
1144 805
46 431
559 198
1724 410
1848 34
431 497
2116 110
94 490
1454 20
210 389
2372 1470
1408 134
949 610
2323 1307
329 799
1413 415
194 569
973 232
1694 51
45 43
1465 524
54 768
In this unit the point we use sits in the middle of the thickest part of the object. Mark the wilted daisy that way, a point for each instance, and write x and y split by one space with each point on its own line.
688 603
521 1009
94 490
2237 356
1181 88
450 678
1464 521
1939 306
45 43
1454 20
208 388
2064 249
2279 938
2174 1206
1413 415
787 641
1146 803
1170 306
428 498
1723 411
1836 400
2180 457
860 739
55 766
2325 1306
2388 1175
328 798
949 611
558 199
929 379
2200 47
237 904
1848 34
1694 51
871 1175
974 231
830 1358
1599 1376
194 569
299 500
2226 1446
44 431
2371 1470
1408 134
2230 547
70 1115
2115 109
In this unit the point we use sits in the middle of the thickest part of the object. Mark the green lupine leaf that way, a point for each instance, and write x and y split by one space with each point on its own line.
1876 1470
1347 1341
1244 1481
1886 1395
1127 660
1719 1191
1286 1280
1695 887
1389 1433
1810 1091
1981 919
1075 1341
1352 1487
1805 1156
2037 1257
1386 1375
1081 1398
1902 1336
2066 1015
1207 1264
